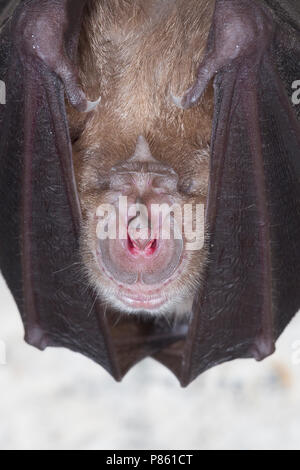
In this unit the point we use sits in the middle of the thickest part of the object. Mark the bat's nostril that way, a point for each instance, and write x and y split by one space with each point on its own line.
141 246
152 247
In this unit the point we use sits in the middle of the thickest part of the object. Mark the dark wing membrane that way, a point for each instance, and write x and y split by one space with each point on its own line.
286 12
40 214
253 280
40 221
252 284
7 8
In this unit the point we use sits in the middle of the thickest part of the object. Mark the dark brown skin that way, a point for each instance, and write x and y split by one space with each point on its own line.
136 55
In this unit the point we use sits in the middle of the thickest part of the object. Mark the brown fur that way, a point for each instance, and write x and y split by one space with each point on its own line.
134 54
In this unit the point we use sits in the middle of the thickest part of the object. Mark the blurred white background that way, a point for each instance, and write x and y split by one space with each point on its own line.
61 400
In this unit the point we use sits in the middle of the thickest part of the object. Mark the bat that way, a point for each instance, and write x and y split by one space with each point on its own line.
181 104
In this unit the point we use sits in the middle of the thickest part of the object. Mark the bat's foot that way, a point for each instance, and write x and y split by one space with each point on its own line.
262 349
240 30
36 337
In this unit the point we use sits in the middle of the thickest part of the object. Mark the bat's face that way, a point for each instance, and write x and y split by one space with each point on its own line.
142 241
142 197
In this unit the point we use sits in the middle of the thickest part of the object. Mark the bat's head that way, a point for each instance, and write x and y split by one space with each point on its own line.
141 237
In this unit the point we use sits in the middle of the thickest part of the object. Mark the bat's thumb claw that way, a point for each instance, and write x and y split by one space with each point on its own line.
177 100
79 101
76 96
190 97
92 105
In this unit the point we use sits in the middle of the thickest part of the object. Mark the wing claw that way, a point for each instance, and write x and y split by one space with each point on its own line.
239 29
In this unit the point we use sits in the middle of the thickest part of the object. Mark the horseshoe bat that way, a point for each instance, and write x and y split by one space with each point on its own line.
196 108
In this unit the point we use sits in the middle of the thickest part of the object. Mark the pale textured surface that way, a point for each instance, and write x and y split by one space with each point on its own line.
60 400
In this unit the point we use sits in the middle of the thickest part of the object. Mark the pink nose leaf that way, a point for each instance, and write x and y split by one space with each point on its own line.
139 232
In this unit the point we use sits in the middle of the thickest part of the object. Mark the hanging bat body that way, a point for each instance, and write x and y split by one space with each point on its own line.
83 264
140 66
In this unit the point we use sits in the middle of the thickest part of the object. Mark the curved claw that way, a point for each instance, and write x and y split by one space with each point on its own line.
39 33
206 72
177 100
92 105
69 76
240 29
77 97
80 101
194 93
